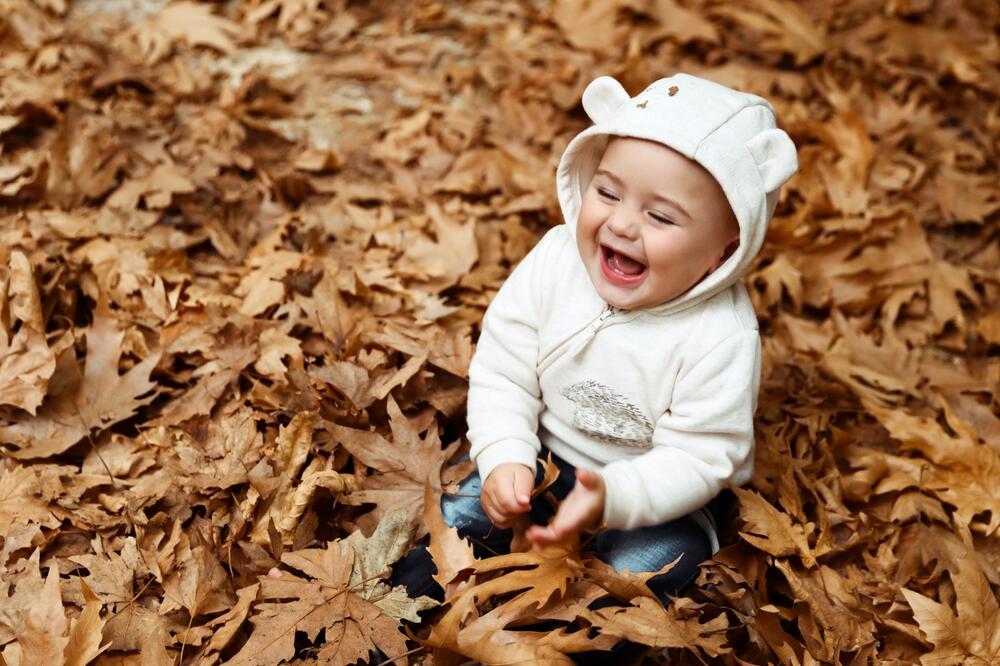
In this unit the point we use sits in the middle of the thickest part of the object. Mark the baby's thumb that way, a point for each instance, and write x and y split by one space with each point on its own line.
522 488
588 478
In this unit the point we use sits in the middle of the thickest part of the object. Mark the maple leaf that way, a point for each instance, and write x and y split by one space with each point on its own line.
26 360
538 578
372 558
363 388
963 196
262 288
451 351
155 189
226 625
445 261
592 24
405 465
199 582
111 576
335 482
34 616
624 585
19 498
353 626
235 350
292 447
972 629
780 276
778 535
231 446
944 284
102 399
832 600
788 28
451 553
84 643
649 623
959 457
187 22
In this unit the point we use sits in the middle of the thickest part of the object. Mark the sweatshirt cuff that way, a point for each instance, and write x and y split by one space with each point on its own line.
506 451
617 504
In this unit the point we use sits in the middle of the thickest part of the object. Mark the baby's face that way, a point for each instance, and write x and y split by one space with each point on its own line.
652 224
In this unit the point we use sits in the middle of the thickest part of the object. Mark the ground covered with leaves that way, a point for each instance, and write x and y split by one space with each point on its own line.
245 248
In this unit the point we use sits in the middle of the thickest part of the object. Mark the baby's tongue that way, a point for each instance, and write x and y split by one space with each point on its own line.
626 265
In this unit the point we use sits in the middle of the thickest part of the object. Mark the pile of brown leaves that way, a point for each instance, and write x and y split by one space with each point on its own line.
244 252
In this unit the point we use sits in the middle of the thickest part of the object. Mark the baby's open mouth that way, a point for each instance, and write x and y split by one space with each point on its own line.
621 264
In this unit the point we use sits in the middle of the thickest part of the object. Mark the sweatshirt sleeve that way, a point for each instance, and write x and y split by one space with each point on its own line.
504 397
700 445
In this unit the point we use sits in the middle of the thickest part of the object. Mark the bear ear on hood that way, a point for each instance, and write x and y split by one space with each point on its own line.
603 97
774 153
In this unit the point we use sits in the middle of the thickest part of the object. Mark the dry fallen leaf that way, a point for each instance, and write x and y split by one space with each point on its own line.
245 253
102 398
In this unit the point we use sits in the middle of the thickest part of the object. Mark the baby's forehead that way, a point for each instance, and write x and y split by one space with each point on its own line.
634 148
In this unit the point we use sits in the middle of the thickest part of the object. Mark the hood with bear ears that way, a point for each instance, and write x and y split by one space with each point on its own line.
730 133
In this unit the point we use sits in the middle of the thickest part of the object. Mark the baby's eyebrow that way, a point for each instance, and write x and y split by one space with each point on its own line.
605 172
656 197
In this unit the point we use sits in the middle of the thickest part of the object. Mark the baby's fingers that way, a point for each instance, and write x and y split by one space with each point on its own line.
510 505
494 511
539 536
522 486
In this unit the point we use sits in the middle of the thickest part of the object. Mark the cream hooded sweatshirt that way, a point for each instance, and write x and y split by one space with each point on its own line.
660 400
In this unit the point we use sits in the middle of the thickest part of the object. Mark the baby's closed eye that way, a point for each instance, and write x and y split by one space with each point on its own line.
607 194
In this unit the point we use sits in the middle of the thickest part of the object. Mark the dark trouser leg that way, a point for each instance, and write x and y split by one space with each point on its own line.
463 512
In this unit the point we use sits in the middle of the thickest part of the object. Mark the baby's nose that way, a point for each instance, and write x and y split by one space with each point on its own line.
624 224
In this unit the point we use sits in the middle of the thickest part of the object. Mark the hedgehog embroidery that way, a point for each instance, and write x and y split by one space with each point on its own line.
605 414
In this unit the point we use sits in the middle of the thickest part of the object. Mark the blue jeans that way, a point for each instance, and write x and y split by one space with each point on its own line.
640 550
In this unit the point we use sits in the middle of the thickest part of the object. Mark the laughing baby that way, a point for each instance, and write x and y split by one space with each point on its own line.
625 343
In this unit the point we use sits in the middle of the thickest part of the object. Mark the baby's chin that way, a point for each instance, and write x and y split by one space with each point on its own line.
628 298
623 299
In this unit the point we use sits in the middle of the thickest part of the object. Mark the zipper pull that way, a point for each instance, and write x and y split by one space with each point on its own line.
592 330
608 312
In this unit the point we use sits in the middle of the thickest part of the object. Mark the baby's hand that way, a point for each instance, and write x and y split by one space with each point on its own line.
506 493
582 508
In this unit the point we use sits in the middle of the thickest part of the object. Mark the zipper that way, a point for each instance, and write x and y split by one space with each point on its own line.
607 314
580 339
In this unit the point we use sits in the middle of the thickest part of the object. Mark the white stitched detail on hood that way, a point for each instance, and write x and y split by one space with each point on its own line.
731 133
